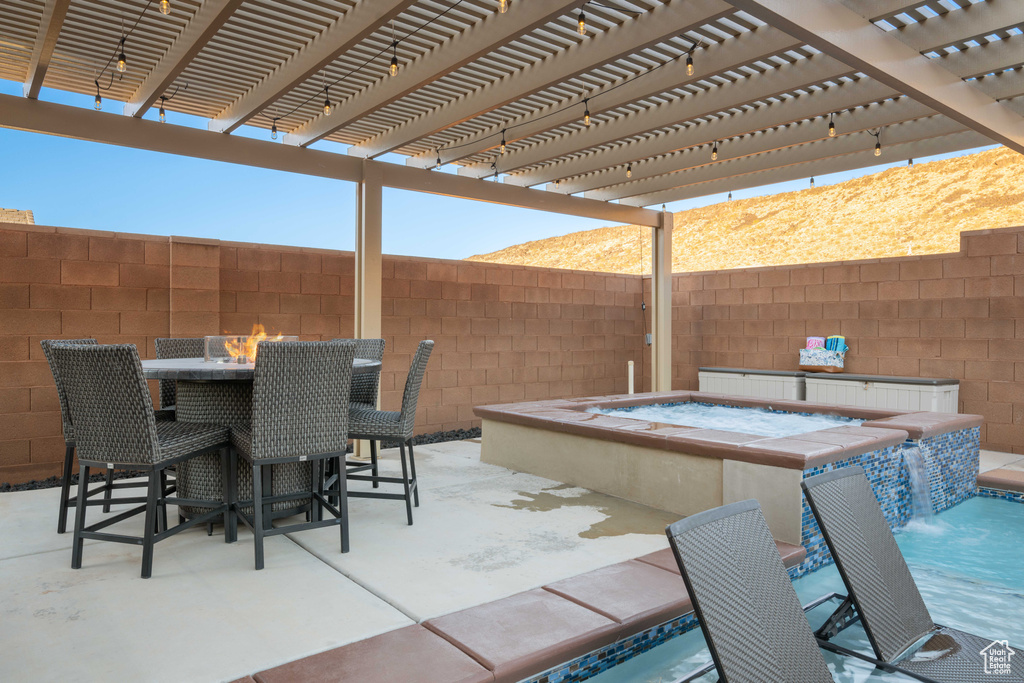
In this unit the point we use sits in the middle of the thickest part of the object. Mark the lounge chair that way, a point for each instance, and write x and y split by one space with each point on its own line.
882 592
743 597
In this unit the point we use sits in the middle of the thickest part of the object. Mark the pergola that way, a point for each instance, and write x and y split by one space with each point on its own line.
595 109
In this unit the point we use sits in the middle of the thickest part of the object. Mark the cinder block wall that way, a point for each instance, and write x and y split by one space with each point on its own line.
503 333
506 333
945 315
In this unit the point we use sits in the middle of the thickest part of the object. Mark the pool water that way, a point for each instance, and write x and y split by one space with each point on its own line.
759 421
967 562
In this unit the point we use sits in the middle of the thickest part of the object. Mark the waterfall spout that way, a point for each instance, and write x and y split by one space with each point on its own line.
920 488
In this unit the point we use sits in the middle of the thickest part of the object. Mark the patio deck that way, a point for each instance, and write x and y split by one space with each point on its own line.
482 533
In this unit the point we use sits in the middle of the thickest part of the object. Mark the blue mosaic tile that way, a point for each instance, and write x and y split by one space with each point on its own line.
1013 496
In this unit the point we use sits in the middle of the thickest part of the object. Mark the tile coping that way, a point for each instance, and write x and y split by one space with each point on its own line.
454 647
882 428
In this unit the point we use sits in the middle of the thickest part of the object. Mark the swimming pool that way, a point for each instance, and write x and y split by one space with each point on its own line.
760 421
966 561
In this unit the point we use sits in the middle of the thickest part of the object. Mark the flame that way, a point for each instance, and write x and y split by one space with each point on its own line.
245 347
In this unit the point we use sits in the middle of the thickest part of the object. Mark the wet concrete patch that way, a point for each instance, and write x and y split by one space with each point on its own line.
621 516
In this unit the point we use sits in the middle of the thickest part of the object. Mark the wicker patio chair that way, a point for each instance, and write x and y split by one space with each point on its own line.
742 596
365 387
386 425
176 347
114 427
882 592
300 414
107 489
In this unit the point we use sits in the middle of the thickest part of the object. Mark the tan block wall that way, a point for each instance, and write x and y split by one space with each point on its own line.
502 333
946 315
506 333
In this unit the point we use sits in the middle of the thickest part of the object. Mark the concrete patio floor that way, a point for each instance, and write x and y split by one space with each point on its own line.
481 533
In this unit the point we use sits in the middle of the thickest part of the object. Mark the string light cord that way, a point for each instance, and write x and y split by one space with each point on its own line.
120 46
393 45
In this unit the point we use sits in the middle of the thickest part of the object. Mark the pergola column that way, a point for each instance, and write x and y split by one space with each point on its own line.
661 304
369 212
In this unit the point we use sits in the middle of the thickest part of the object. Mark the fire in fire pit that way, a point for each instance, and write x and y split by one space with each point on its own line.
239 348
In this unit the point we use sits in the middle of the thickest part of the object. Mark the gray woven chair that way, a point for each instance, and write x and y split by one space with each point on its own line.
176 347
387 425
365 387
114 426
882 591
300 415
742 596
107 489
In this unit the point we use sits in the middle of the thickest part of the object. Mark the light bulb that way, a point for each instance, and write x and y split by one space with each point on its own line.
502 6
730 196
878 149
165 7
438 165
327 107
629 171
503 145
394 65
582 24
714 152
99 102
689 65
273 130
812 181
122 63
586 115
831 129
163 114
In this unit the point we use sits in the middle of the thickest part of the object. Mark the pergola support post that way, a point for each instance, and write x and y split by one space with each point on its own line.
369 220
661 304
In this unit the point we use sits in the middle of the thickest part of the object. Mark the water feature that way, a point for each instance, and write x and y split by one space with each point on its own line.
759 421
920 486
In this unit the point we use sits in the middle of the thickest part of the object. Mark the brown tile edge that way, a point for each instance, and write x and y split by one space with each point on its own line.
1002 480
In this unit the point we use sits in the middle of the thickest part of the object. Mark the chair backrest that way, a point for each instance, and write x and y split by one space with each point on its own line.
365 385
176 347
750 615
300 398
108 401
868 559
412 386
47 344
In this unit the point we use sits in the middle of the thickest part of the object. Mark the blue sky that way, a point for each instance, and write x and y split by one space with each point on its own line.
88 185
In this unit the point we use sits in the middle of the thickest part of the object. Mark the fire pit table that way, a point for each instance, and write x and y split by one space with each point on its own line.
221 393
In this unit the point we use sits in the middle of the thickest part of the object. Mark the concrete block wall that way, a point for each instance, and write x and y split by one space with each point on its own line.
945 315
503 333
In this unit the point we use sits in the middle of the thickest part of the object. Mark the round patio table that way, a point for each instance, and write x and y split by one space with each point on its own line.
221 393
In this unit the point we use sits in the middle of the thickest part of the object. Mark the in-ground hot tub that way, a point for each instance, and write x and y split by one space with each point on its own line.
686 469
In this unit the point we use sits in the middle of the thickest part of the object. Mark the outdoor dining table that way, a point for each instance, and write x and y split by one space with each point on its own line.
221 393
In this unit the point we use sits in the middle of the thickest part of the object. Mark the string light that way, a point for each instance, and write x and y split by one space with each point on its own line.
163 113
273 130
327 102
629 170
503 141
502 6
910 162
878 142
831 126
557 183
730 195
586 112
438 165
394 61
689 65
494 167
812 182
714 152
165 7
581 24
122 61
98 102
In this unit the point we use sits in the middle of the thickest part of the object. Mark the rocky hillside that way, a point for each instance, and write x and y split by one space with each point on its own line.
919 209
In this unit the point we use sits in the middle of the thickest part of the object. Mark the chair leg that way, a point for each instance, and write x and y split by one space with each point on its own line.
257 513
343 504
317 473
373 463
65 489
405 482
108 490
80 509
412 469
233 500
163 501
226 476
151 514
